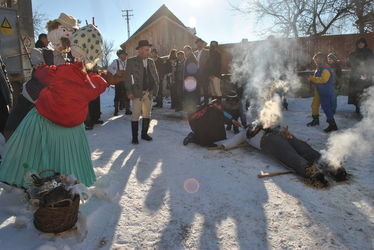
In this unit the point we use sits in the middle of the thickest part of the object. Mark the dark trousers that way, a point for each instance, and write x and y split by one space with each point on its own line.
179 94
204 88
160 95
173 95
4 113
94 112
120 96
20 110
294 153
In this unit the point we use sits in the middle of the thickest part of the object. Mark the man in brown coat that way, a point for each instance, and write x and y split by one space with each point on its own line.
141 82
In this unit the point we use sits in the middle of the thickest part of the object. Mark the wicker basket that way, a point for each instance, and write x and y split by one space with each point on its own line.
57 218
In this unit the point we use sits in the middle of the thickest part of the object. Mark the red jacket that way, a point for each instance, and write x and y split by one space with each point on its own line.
65 98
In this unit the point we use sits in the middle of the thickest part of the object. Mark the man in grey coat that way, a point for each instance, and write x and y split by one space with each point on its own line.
141 82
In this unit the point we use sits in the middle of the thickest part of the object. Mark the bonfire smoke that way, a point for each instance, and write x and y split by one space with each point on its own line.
264 69
271 112
358 140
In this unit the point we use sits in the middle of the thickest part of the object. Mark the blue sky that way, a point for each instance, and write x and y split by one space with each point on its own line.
214 19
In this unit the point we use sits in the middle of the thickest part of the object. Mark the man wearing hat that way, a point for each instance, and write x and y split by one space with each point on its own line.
141 82
202 56
117 68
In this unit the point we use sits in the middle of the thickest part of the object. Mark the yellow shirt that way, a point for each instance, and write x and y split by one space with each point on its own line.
324 78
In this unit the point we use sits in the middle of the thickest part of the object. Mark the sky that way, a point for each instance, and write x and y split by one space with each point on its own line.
213 19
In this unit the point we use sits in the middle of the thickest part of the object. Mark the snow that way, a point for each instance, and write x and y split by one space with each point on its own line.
164 195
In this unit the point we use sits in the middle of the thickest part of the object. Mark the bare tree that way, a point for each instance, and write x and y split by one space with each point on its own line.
108 49
322 16
359 11
307 17
39 21
284 15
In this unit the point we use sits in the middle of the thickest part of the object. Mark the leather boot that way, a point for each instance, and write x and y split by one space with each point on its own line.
332 126
314 122
116 104
134 129
188 139
145 127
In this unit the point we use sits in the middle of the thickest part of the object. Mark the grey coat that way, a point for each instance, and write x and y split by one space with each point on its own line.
134 84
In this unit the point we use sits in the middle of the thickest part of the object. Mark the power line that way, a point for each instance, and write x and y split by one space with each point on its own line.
126 14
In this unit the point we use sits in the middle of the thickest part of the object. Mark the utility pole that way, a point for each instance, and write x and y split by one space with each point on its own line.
126 14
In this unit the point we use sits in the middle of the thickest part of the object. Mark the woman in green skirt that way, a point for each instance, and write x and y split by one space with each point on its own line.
52 135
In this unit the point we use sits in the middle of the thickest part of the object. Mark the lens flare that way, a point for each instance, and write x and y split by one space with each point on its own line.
191 185
190 84
191 69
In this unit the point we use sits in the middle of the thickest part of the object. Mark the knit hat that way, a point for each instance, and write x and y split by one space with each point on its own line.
87 45
333 56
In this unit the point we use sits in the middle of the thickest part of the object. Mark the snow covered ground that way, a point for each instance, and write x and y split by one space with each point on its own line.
164 195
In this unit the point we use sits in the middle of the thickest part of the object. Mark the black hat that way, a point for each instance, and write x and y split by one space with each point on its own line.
143 43
121 52
154 50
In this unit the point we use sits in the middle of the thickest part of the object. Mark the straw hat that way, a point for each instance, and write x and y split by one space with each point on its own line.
67 21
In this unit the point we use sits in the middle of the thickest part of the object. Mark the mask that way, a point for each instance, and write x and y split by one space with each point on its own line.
55 36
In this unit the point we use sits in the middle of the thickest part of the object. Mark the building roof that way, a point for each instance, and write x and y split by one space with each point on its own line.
162 11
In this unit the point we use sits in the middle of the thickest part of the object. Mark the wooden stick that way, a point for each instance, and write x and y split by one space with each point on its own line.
263 175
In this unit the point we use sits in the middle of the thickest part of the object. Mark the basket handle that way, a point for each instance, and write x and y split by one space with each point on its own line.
57 202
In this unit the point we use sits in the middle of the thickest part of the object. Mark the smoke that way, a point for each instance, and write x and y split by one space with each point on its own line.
270 113
358 140
267 71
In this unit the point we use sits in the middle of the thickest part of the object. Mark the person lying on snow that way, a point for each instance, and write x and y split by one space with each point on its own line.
208 125
294 153
234 107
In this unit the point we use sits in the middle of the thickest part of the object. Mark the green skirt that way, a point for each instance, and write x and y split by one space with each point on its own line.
39 144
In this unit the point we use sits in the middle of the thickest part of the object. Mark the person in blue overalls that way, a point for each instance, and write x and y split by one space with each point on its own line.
323 80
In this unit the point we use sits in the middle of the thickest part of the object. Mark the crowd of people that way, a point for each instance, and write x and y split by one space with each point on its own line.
186 75
63 98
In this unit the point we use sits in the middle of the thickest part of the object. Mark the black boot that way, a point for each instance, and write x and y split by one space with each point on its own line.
332 126
116 104
314 122
134 129
188 139
145 126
